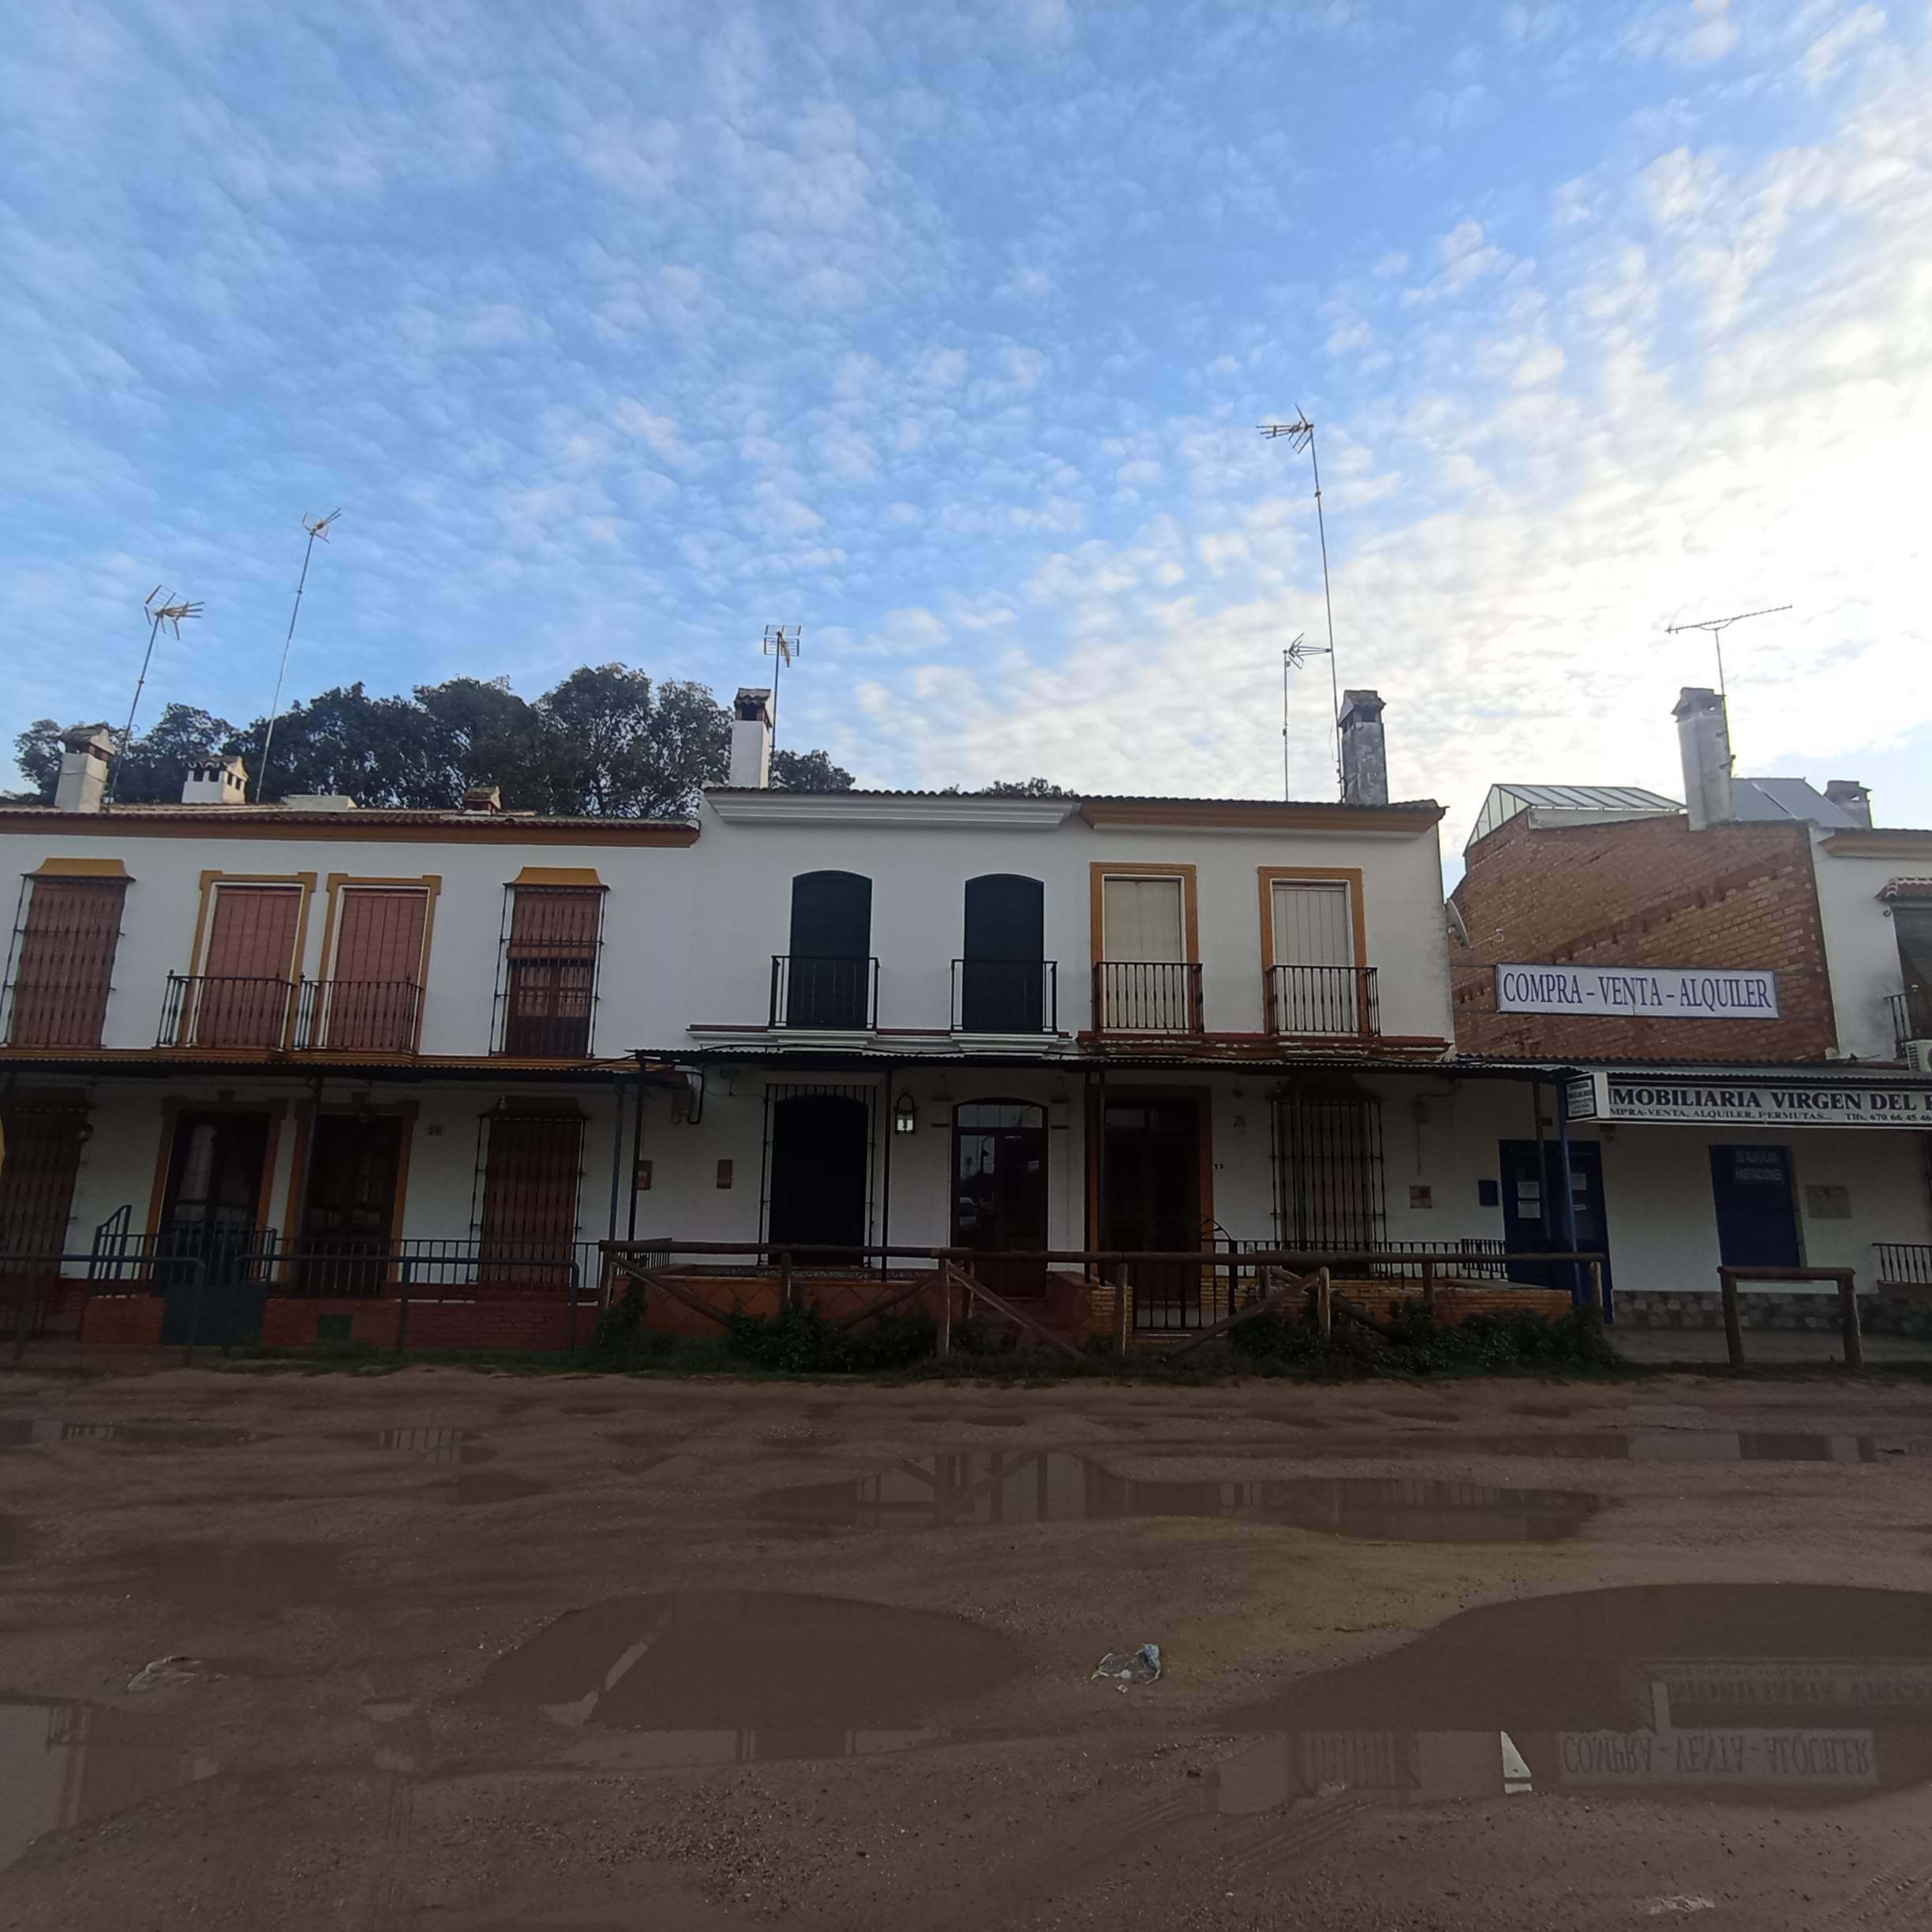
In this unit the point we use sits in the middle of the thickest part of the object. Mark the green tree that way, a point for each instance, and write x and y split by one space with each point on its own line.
37 751
1026 787
615 747
807 771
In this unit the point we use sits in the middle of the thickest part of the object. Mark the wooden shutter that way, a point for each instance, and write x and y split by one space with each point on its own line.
243 998
532 1168
1313 923
552 976
66 957
1141 919
42 1159
371 1000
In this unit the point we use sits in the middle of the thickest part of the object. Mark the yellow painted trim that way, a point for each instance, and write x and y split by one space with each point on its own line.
1349 876
79 868
355 828
1098 873
560 875
428 884
304 882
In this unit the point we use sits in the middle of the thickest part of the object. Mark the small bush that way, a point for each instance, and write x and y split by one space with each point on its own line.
800 1341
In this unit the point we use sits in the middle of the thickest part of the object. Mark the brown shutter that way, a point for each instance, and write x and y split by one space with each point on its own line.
44 1143
371 998
552 973
244 993
66 957
531 1171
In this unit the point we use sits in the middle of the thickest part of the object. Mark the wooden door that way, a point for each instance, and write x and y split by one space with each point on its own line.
349 1209
821 1156
829 970
1002 974
247 967
372 997
1150 1198
999 1191
1313 985
1143 944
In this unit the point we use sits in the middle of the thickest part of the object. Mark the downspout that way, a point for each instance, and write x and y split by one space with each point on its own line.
892 1131
1566 1198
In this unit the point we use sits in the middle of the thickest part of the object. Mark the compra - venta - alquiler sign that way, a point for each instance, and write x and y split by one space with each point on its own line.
1639 992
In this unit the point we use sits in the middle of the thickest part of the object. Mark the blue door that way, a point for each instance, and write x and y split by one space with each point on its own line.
1531 1177
1757 1210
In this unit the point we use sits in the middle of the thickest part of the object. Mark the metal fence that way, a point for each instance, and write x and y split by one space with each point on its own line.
1903 1264
1147 996
1340 1000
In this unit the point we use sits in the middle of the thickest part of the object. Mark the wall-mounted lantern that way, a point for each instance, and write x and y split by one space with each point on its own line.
905 1114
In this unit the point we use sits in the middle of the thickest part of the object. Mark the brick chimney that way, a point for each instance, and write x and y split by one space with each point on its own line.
751 739
1851 798
482 799
1364 763
83 780
1704 743
216 781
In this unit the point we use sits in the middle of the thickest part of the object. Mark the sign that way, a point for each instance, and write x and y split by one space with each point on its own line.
1639 992
1718 1758
1714 1100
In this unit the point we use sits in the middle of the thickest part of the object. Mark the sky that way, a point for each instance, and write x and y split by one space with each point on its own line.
620 331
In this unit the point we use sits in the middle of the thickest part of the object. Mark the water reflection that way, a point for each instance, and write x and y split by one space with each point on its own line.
975 1487
441 1448
63 1765
1670 1445
1727 1694
32 1431
719 1676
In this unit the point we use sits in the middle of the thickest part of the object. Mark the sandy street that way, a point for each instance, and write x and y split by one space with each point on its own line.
443 1649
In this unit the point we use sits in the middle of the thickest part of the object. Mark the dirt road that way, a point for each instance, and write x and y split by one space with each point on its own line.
439 1649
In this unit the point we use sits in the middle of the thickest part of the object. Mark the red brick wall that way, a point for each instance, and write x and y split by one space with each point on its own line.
1650 893
128 1320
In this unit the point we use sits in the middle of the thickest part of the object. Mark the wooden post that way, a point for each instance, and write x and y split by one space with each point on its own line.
1123 1308
945 1312
1734 1333
784 1281
1596 1288
1849 1321
1324 1303
1428 1290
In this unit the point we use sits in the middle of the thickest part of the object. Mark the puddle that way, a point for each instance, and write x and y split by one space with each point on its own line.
699 1677
441 1448
217 1580
975 1487
63 1765
32 1431
1674 1445
496 1486
1783 1694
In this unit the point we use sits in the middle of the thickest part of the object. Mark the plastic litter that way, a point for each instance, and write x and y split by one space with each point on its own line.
167 1670
1125 1668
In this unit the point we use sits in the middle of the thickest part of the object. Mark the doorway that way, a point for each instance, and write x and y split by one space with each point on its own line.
1531 1184
1757 1207
349 1208
821 1160
829 982
1152 1195
999 1191
210 1210
1002 976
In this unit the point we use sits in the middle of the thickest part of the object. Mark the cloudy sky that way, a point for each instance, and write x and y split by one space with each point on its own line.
621 330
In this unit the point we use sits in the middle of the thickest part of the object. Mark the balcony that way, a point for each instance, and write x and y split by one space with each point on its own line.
358 1016
221 1010
1338 1001
1006 996
1911 1016
824 995
548 1007
1147 996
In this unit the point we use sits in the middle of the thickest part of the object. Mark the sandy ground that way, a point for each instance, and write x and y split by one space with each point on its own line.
444 1649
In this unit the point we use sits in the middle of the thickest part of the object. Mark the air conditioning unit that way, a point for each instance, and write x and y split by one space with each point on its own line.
1918 1055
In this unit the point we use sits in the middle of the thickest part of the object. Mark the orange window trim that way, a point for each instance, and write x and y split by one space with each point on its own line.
1099 871
1349 876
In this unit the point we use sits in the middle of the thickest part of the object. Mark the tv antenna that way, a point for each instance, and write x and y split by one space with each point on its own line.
1295 656
1300 435
1716 627
159 607
315 526
782 645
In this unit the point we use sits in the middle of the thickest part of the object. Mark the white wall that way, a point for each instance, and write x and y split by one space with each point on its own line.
1861 947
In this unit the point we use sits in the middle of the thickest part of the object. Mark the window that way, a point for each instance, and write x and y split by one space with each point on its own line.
1002 976
1141 919
1913 926
533 1163
43 1142
550 982
63 959
1330 1174
828 973
1311 943
372 997
242 994
1146 977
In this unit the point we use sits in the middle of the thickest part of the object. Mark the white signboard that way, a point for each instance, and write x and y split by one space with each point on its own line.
1716 1101
1639 992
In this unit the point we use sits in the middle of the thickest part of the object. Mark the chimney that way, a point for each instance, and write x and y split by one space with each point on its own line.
1851 798
1704 742
216 781
1364 764
751 739
83 779
482 798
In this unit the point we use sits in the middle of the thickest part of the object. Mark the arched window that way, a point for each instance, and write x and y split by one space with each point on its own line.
1003 973
829 981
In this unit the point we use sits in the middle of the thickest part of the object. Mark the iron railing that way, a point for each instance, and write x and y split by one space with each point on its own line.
51 1012
1903 1264
1330 999
204 1009
1006 996
1911 1016
832 995
369 1015
1147 996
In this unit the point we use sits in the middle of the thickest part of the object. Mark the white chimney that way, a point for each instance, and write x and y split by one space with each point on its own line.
1365 761
216 781
487 799
1704 743
751 739
83 779
1851 798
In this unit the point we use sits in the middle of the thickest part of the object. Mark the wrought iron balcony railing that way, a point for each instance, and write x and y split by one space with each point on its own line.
1328 1000
1147 996
829 995
1006 996
369 1015
203 1010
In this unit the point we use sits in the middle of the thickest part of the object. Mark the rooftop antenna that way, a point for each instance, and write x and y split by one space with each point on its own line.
781 644
1300 435
159 607
1295 656
1716 627
315 526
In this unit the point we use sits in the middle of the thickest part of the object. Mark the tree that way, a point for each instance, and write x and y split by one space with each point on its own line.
807 771
614 749
1026 787
37 751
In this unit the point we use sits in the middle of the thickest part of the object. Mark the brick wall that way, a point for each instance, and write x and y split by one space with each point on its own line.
127 1320
1649 892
